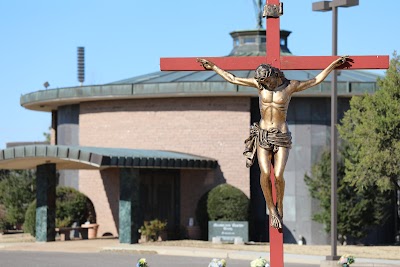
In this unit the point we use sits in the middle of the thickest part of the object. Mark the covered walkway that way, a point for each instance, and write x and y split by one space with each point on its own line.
47 159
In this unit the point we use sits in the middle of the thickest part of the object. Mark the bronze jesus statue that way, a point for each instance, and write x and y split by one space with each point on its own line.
270 138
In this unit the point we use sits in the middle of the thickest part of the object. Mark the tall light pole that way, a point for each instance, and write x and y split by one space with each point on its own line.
333 6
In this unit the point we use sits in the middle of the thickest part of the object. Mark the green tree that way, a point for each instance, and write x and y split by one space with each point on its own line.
17 190
358 211
47 135
371 129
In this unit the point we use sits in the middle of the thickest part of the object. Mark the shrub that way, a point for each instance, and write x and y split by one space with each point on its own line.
227 203
152 229
222 203
30 219
71 206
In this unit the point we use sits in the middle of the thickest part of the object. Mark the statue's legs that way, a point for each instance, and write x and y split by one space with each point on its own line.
264 160
280 159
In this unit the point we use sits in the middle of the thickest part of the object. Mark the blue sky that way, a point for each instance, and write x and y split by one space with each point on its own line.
126 38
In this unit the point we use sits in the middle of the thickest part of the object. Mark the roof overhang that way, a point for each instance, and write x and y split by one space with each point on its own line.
78 157
175 84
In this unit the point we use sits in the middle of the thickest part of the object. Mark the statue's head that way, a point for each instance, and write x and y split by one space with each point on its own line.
268 76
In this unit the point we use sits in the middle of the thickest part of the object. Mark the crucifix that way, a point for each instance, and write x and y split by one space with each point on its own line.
271 139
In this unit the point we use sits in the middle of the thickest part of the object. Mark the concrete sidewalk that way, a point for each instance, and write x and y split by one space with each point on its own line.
112 245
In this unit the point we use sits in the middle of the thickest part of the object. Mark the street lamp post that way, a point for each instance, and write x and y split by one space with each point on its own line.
333 6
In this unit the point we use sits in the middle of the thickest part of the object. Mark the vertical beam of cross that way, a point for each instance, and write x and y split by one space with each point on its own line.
275 235
273 44
273 48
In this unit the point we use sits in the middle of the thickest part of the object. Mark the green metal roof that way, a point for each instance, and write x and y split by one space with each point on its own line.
199 83
189 84
78 157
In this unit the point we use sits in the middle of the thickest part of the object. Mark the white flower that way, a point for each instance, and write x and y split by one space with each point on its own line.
260 262
217 263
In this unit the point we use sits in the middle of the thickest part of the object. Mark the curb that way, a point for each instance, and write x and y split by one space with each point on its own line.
239 255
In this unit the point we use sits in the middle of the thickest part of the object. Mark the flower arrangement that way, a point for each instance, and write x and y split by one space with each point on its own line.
142 263
217 263
346 260
260 262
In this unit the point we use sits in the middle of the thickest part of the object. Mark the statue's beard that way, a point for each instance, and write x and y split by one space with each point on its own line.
264 86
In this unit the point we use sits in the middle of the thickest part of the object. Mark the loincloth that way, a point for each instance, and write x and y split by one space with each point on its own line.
270 139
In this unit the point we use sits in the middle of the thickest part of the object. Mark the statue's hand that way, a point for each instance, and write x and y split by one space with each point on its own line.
208 65
342 60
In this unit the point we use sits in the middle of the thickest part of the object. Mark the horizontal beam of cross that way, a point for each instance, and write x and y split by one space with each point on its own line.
287 63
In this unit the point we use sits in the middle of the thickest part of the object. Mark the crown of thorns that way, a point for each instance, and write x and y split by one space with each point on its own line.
265 70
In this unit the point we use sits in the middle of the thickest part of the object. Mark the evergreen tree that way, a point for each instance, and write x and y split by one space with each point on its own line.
17 191
358 211
371 128
370 165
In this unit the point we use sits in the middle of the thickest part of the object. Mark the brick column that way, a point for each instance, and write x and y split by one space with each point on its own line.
128 206
46 202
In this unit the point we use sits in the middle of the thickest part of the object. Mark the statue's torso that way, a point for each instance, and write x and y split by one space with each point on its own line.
273 108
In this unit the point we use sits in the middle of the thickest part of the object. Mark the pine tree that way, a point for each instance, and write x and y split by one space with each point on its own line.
358 211
17 191
369 169
371 129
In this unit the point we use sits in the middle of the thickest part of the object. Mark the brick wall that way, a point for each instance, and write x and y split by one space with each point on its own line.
193 185
211 127
102 187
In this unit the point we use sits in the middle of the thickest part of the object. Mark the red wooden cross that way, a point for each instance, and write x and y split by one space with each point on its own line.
274 58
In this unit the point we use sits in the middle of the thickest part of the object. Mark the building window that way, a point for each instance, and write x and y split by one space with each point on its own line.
249 40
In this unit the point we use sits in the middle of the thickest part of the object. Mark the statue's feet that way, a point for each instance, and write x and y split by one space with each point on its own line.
280 212
276 221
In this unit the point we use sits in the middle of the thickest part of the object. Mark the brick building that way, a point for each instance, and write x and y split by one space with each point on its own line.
195 113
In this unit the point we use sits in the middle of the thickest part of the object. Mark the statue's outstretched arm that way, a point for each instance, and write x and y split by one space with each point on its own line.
208 65
322 75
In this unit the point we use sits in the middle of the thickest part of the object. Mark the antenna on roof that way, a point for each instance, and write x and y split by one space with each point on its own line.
258 8
81 64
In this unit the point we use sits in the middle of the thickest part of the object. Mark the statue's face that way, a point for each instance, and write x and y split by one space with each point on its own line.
268 77
270 82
